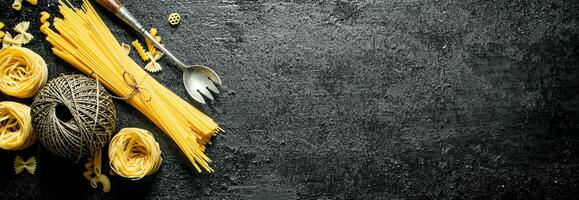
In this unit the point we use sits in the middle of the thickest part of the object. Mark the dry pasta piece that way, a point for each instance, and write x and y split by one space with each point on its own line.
150 46
15 126
140 50
21 165
1 32
23 36
134 153
153 65
174 19
22 72
103 180
45 27
93 173
89 169
83 40
8 41
17 5
127 48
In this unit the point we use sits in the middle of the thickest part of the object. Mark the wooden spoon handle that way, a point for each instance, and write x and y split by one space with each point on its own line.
111 5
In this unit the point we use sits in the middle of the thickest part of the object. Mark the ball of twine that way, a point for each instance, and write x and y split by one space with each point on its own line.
73 116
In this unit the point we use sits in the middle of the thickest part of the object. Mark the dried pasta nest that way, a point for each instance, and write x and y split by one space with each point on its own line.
15 126
174 19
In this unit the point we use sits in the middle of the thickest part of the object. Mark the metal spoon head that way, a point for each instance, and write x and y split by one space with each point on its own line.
200 81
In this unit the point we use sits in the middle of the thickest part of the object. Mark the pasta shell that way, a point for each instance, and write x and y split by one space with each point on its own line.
127 48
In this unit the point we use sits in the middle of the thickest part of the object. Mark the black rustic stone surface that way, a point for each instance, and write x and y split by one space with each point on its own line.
358 99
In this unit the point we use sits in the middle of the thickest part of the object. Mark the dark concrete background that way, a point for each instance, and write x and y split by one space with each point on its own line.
358 99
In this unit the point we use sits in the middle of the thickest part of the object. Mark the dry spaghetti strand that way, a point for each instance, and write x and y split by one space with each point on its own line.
83 40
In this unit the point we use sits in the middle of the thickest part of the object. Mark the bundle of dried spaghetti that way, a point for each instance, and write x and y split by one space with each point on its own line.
22 72
83 40
134 153
15 126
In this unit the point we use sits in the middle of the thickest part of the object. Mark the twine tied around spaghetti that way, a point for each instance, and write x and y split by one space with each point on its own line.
132 83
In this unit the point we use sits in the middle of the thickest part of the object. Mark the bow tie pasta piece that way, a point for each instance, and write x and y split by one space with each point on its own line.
8 41
21 165
24 37
153 65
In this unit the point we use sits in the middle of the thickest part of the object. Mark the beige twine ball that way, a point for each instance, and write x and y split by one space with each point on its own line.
73 116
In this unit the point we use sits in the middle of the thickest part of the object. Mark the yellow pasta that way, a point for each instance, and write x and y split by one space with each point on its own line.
153 65
93 173
84 41
174 19
134 153
152 49
15 126
17 5
89 166
1 32
23 36
21 165
103 180
22 72
127 48
140 50
8 41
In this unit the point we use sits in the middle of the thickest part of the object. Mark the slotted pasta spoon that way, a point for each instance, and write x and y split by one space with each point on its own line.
199 80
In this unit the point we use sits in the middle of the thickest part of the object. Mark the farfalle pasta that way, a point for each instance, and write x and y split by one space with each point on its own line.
21 165
153 65
8 41
22 29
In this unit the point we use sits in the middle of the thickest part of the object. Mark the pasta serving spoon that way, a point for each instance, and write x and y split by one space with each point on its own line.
199 80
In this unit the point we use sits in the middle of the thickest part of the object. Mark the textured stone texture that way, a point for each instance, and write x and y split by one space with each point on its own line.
358 99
